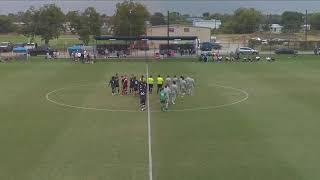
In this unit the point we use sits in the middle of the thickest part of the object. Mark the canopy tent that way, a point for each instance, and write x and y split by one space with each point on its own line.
81 48
74 48
20 50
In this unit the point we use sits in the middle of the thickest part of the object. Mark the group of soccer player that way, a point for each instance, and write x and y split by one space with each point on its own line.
168 88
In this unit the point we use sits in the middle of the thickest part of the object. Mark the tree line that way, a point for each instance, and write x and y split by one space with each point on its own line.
48 21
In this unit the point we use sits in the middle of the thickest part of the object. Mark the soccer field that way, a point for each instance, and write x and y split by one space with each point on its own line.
245 121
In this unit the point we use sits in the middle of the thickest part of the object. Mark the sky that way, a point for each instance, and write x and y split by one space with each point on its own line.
192 7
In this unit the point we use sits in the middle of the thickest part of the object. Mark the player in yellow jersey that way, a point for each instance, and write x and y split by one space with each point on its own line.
150 82
159 83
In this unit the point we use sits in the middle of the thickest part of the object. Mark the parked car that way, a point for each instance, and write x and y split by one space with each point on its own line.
264 42
246 50
208 46
30 46
19 45
6 47
285 51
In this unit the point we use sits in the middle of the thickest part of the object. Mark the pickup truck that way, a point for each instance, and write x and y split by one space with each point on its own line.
6 47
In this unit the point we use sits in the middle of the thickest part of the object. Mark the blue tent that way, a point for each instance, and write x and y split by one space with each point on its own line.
75 48
20 50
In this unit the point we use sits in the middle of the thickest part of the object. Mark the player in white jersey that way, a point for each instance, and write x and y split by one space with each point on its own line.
168 81
179 84
174 92
190 85
167 92
175 79
183 86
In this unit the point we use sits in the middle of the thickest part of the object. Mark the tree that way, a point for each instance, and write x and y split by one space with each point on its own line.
85 24
315 21
157 19
46 22
291 21
222 17
206 15
243 21
177 18
31 20
130 18
6 24
73 17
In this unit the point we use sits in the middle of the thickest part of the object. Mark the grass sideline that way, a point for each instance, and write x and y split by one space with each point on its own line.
272 135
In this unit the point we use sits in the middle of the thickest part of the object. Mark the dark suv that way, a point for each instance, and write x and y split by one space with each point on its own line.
41 50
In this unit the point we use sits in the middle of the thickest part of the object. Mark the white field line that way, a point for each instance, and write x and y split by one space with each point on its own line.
149 129
80 107
245 93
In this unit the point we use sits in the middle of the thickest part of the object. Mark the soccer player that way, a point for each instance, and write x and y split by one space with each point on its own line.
131 84
143 95
135 85
142 79
189 85
168 81
159 83
117 83
150 84
112 83
183 86
162 97
122 79
179 84
174 92
124 85
175 79
167 92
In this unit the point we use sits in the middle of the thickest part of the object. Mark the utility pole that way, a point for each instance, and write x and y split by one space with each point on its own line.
168 32
306 26
270 29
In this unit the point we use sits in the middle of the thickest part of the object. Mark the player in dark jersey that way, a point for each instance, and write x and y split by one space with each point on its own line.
131 86
122 79
112 83
135 85
117 83
143 95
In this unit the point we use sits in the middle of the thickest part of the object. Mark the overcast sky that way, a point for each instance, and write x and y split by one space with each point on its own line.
194 7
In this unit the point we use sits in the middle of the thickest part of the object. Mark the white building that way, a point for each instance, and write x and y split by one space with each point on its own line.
276 28
303 27
212 23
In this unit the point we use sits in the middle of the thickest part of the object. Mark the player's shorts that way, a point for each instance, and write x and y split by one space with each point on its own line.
150 85
143 100
131 86
162 101
159 85
135 88
113 88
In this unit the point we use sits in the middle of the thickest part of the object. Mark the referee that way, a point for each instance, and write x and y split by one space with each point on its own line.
159 83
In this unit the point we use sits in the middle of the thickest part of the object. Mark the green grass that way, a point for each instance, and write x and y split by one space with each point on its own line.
272 135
